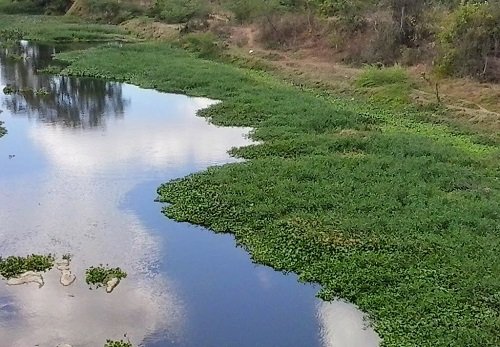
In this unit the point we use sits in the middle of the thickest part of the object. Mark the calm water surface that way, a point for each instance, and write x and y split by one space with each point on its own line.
88 159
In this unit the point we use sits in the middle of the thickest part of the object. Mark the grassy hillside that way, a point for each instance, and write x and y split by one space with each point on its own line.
397 215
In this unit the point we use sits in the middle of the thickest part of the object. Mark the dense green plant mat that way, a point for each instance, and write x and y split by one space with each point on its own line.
14 266
399 216
98 276
57 29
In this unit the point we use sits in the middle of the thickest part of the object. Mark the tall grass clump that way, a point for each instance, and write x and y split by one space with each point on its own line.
13 266
388 85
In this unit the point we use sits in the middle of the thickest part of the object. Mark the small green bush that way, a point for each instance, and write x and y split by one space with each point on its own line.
204 45
179 11
11 34
246 10
391 86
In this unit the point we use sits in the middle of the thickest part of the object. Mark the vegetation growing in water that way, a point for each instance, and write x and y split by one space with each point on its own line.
380 207
114 343
98 276
14 266
7 90
15 57
50 70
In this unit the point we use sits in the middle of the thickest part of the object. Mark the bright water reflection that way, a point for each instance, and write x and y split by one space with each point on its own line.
88 157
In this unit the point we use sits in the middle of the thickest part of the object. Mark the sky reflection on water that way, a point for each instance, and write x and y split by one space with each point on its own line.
88 158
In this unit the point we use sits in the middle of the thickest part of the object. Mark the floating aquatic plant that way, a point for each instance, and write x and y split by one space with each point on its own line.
14 266
99 276
41 92
121 343
7 90
50 70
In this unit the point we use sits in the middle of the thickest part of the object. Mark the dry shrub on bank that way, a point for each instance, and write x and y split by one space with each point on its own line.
378 39
375 42
287 30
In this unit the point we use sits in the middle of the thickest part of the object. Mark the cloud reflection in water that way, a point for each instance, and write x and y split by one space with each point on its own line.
72 204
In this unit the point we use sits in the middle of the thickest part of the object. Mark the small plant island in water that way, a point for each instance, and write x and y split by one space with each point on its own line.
104 276
20 270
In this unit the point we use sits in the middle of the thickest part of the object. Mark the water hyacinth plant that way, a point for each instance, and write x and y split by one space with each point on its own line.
98 276
14 266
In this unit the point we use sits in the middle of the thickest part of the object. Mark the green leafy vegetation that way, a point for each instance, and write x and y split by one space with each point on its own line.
382 208
179 11
204 45
120 343
471 41
98 276
14 266
110 11
3 131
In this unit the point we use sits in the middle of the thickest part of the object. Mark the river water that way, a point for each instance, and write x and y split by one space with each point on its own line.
79 169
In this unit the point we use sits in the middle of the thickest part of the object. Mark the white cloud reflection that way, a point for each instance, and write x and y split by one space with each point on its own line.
71 204
344 325
159 137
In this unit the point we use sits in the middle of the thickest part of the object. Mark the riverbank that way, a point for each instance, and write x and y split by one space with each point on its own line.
369 198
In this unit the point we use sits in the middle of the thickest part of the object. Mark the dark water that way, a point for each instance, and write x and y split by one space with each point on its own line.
89 156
